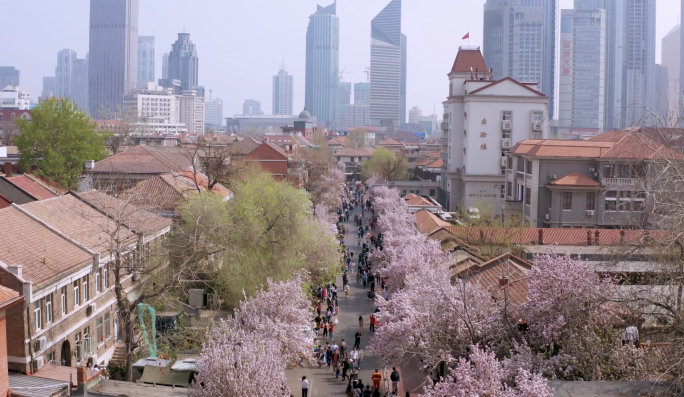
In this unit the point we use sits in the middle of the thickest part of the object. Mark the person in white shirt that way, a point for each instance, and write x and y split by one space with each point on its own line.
305 386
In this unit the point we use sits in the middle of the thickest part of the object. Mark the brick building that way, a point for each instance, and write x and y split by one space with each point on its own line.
279 163
59 264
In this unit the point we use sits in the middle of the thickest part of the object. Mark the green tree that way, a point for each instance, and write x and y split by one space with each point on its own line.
266 230
58 140
387 165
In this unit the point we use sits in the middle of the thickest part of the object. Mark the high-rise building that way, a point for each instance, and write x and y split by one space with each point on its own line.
415 115
145 61
79 83
192 112
582 77
671 60
165 66
519 41
362 93
113 56
9 75
213 112
184 63
251 108
356 115
323 64
49 88
343 99
283 93
153 102
64 72
388 67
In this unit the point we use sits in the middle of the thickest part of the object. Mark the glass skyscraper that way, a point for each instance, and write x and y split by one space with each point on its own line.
145 61
184 63
520 41
113 55
283 93
323 65
388 67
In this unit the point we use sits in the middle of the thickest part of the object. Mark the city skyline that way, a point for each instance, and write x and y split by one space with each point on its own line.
237 81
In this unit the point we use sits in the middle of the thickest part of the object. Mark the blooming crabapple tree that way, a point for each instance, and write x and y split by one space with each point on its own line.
247 354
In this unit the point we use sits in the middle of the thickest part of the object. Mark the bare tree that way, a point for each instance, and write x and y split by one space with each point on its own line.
120 124
220 161
8 130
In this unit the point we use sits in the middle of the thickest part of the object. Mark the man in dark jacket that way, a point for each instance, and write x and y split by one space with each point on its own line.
394 377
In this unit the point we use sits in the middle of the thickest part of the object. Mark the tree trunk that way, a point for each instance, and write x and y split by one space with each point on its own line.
128 332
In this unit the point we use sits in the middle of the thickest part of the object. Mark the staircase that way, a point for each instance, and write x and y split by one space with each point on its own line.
119 356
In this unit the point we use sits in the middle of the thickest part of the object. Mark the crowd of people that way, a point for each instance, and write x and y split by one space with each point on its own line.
343 362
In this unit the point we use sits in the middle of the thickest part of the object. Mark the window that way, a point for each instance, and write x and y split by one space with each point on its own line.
100 335
433 192
105 275
502 190
528 167
638 204
591 201
85 288
509 187
37 318
537 116
506 116
48 308
98 280
528 194
51 358
611 201
625 201
609 171
567 201
86 341
77 294
550 200
106 326
510 163
64 301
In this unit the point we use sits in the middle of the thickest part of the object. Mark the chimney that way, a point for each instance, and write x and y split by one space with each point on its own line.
17 270
588 237
90 165
503 281
9 170
597 237
622 236
541 236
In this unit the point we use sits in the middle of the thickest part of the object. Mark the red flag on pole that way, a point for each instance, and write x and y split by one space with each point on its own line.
467 36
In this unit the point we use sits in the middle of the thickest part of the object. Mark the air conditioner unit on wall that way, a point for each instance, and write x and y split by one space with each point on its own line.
590 212
39 362
41 343
505 143
91 309
547 217
506 125
536 126
503 161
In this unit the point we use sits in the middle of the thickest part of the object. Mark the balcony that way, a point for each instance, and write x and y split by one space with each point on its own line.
444 141
444 156
622 181
445 125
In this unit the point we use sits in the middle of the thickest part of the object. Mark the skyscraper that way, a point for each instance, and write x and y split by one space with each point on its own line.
165 66
362 94
79 83
49 87
9 75
388 67
519 41
64 72
323 64
582 71
113 62
184 63
213 112
283 93
343 99
671 60
145 61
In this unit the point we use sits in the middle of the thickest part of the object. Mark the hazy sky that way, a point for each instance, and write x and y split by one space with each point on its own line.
241 43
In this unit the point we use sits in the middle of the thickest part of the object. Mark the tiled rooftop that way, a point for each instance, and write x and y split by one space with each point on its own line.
32 187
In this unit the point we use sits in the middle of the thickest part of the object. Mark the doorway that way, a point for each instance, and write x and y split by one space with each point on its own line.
65 355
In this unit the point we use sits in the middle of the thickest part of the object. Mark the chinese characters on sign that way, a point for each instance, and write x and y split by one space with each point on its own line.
483 146
484 121
567 56
483 134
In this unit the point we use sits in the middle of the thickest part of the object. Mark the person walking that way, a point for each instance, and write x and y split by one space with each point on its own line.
357 340
330 330
394 377
376 377
361 325
343 348
305 387
372 323
346 290
345 368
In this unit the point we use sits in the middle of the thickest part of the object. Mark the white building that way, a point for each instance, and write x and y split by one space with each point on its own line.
153 102
12 98
483 118
192 112
159 125
415 115
356 116
213 112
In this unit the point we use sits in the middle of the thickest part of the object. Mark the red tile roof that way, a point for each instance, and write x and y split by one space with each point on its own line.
43 253
7 294
501 276
418 201
467 60
575 179
575 237
428 222
32 187
391 142
145 160
360 152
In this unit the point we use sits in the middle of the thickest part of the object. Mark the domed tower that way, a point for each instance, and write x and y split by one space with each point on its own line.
304 125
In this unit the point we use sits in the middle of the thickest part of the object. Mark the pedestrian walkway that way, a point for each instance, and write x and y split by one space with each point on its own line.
322 380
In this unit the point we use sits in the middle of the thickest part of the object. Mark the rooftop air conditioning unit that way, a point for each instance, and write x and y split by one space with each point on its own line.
590 212
505 143
547 217
39 362
536 126
506 125
503 161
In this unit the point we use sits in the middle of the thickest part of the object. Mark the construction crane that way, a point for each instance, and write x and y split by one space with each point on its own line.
367 72
343 72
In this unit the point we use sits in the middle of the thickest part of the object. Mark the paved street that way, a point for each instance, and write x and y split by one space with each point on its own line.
323 382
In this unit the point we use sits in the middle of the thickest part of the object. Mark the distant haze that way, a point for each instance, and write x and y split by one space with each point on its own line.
242 43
